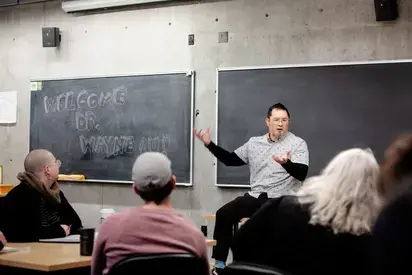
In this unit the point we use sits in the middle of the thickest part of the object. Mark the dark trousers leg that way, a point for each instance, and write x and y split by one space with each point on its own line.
227 216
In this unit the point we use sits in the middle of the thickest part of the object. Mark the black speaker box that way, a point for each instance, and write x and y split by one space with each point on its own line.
386 10
51 37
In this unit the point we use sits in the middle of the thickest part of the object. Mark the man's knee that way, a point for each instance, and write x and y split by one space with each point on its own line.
226 212
222 213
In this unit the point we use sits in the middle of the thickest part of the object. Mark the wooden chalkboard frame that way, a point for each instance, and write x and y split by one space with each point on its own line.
269 67
188 73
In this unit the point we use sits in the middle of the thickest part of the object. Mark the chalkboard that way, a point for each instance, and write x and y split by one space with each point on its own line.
333 107
97 126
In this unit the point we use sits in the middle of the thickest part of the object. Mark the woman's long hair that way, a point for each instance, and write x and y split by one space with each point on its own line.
344 196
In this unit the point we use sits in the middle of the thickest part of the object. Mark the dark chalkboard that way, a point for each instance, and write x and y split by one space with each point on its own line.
98 126
332 107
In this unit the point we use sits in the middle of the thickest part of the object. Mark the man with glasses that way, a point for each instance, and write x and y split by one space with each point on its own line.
37 208
278 161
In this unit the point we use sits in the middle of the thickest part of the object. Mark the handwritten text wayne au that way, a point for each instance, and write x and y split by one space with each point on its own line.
84 104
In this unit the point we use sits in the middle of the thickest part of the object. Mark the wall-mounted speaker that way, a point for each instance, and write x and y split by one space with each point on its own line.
51 37
386 10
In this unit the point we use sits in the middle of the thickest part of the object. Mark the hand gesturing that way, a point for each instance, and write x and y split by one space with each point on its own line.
283 159
204 136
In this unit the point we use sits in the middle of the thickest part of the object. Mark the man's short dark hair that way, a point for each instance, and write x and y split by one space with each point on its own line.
278 106
157 195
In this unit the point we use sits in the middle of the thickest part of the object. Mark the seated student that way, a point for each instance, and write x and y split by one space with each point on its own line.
325 228
37 208
3 241
392 232
153 228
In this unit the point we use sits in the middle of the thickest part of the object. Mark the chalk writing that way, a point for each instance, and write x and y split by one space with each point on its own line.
68 101
107 146
86 121
154 144
112 146
84 103
165 144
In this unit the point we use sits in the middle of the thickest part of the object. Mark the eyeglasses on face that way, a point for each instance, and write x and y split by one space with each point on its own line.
58 163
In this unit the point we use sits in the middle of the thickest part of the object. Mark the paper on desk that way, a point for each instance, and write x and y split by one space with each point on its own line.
8 107
8 249
68 239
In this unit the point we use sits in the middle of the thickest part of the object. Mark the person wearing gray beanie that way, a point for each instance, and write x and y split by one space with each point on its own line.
152 178
153 228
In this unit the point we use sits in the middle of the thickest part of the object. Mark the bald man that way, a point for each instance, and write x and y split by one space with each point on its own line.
37 208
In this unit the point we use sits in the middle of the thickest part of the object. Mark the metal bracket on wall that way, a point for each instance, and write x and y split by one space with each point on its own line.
223 37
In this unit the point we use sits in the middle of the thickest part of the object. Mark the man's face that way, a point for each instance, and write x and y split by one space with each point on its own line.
278 123
52 169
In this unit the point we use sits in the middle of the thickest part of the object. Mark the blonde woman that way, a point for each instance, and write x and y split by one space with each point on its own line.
325 228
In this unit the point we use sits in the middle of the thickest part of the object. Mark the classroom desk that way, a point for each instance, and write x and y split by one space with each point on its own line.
50 256
45 257
5 188
211 242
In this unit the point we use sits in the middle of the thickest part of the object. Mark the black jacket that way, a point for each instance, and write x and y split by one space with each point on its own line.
21 216
392 234
279 235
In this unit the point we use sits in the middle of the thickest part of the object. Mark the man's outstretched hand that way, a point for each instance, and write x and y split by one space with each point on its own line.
204 136
283 159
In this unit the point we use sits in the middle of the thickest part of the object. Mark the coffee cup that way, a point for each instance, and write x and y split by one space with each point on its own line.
203 228
86 241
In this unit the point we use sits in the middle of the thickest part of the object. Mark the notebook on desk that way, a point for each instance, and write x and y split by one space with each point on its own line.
68 239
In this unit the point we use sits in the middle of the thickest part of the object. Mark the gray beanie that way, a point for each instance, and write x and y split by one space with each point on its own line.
151 170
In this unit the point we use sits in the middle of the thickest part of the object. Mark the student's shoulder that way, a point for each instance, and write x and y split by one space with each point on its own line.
20 191
191 235
182 219
187 225
399 207
19 188
290 202
282 201
395 217
286 204
115 219
290 210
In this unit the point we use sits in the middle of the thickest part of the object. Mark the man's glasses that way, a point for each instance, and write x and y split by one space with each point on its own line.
58 163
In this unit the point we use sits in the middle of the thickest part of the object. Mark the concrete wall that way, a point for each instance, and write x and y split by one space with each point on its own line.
261 32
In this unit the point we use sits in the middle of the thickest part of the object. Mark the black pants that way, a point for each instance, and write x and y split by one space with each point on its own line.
230 214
